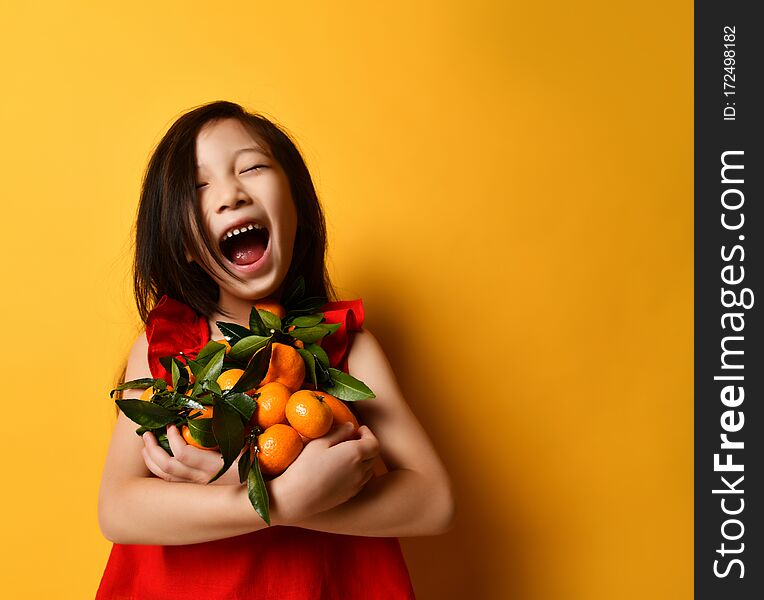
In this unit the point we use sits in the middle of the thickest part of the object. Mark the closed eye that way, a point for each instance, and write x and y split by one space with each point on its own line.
253 168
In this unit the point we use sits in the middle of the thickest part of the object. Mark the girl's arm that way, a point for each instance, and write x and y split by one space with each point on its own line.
414 497
134 507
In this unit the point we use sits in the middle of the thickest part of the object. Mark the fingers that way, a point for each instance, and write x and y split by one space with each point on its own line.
153 465
368 444
154 468
190 456
175 440
170 468
336 435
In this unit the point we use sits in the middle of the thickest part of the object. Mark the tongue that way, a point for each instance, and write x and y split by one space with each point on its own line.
246 250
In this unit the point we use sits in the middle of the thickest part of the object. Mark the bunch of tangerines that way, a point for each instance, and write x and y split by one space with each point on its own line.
258 395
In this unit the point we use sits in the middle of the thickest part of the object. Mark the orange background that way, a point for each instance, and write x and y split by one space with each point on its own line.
508 187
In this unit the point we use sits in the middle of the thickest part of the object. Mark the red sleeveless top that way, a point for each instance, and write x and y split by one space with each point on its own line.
275 563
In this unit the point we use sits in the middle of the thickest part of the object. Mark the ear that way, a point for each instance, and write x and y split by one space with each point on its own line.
188 256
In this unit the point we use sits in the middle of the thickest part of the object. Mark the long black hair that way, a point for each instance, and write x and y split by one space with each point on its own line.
170 221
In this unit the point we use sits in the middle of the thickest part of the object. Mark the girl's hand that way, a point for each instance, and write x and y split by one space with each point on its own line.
329 470
189 464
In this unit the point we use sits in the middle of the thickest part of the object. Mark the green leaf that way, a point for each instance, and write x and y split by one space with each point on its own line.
175 374
135 384
308 320
256 369
211 371
245 463
246 347
322 373
270 320
243 403
148 414
256 323
205 354
229 434
201 431
295 293
257 492
347 387
310 365
164 442
233 332
319 353
213 386
181 401
309 335
181 382
331 327
166 362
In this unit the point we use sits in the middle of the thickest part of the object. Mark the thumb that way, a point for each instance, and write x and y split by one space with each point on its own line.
338 433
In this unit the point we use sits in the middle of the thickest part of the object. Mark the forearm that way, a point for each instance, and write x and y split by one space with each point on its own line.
149 510
397 504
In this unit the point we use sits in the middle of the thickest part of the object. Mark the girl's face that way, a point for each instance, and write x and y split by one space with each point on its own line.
247 208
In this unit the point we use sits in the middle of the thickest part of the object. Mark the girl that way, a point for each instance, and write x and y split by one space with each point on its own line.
334 526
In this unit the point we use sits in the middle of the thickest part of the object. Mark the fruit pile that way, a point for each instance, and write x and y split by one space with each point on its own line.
257 396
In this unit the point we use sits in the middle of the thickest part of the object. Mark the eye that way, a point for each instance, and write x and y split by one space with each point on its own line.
254 168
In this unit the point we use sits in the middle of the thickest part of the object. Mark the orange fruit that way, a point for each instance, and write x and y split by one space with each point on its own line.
186 432
279 446
227 379
225 343
286 367
297 343
340 410
309 414
206 412
271 305
271 404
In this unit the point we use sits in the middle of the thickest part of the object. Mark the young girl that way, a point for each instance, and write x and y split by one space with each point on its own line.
334 519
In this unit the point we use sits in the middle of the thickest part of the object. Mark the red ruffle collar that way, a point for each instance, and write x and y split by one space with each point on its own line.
174 327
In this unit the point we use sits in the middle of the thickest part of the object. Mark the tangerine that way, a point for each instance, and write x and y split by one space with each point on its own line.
286 367
340 410
279 446
230 378
271 305
186 432
309 414
271 403
227 379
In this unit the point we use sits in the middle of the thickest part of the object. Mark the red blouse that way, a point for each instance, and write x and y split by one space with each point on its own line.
275 563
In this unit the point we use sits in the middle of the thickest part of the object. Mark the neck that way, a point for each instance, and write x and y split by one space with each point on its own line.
237 307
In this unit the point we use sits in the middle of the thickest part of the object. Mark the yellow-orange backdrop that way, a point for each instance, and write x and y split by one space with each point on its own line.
508 186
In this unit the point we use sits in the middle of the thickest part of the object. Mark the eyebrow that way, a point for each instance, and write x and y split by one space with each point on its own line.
247 149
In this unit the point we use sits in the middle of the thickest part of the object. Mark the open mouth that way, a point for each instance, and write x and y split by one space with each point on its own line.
244 244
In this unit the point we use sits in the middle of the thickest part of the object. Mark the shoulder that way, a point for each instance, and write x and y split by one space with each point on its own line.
138 359
366 356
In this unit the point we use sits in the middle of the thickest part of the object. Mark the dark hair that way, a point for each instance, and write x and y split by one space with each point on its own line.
169 219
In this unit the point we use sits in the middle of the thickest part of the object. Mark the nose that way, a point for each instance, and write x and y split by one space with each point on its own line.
231 198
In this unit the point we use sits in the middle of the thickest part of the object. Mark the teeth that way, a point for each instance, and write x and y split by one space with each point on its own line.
249 227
